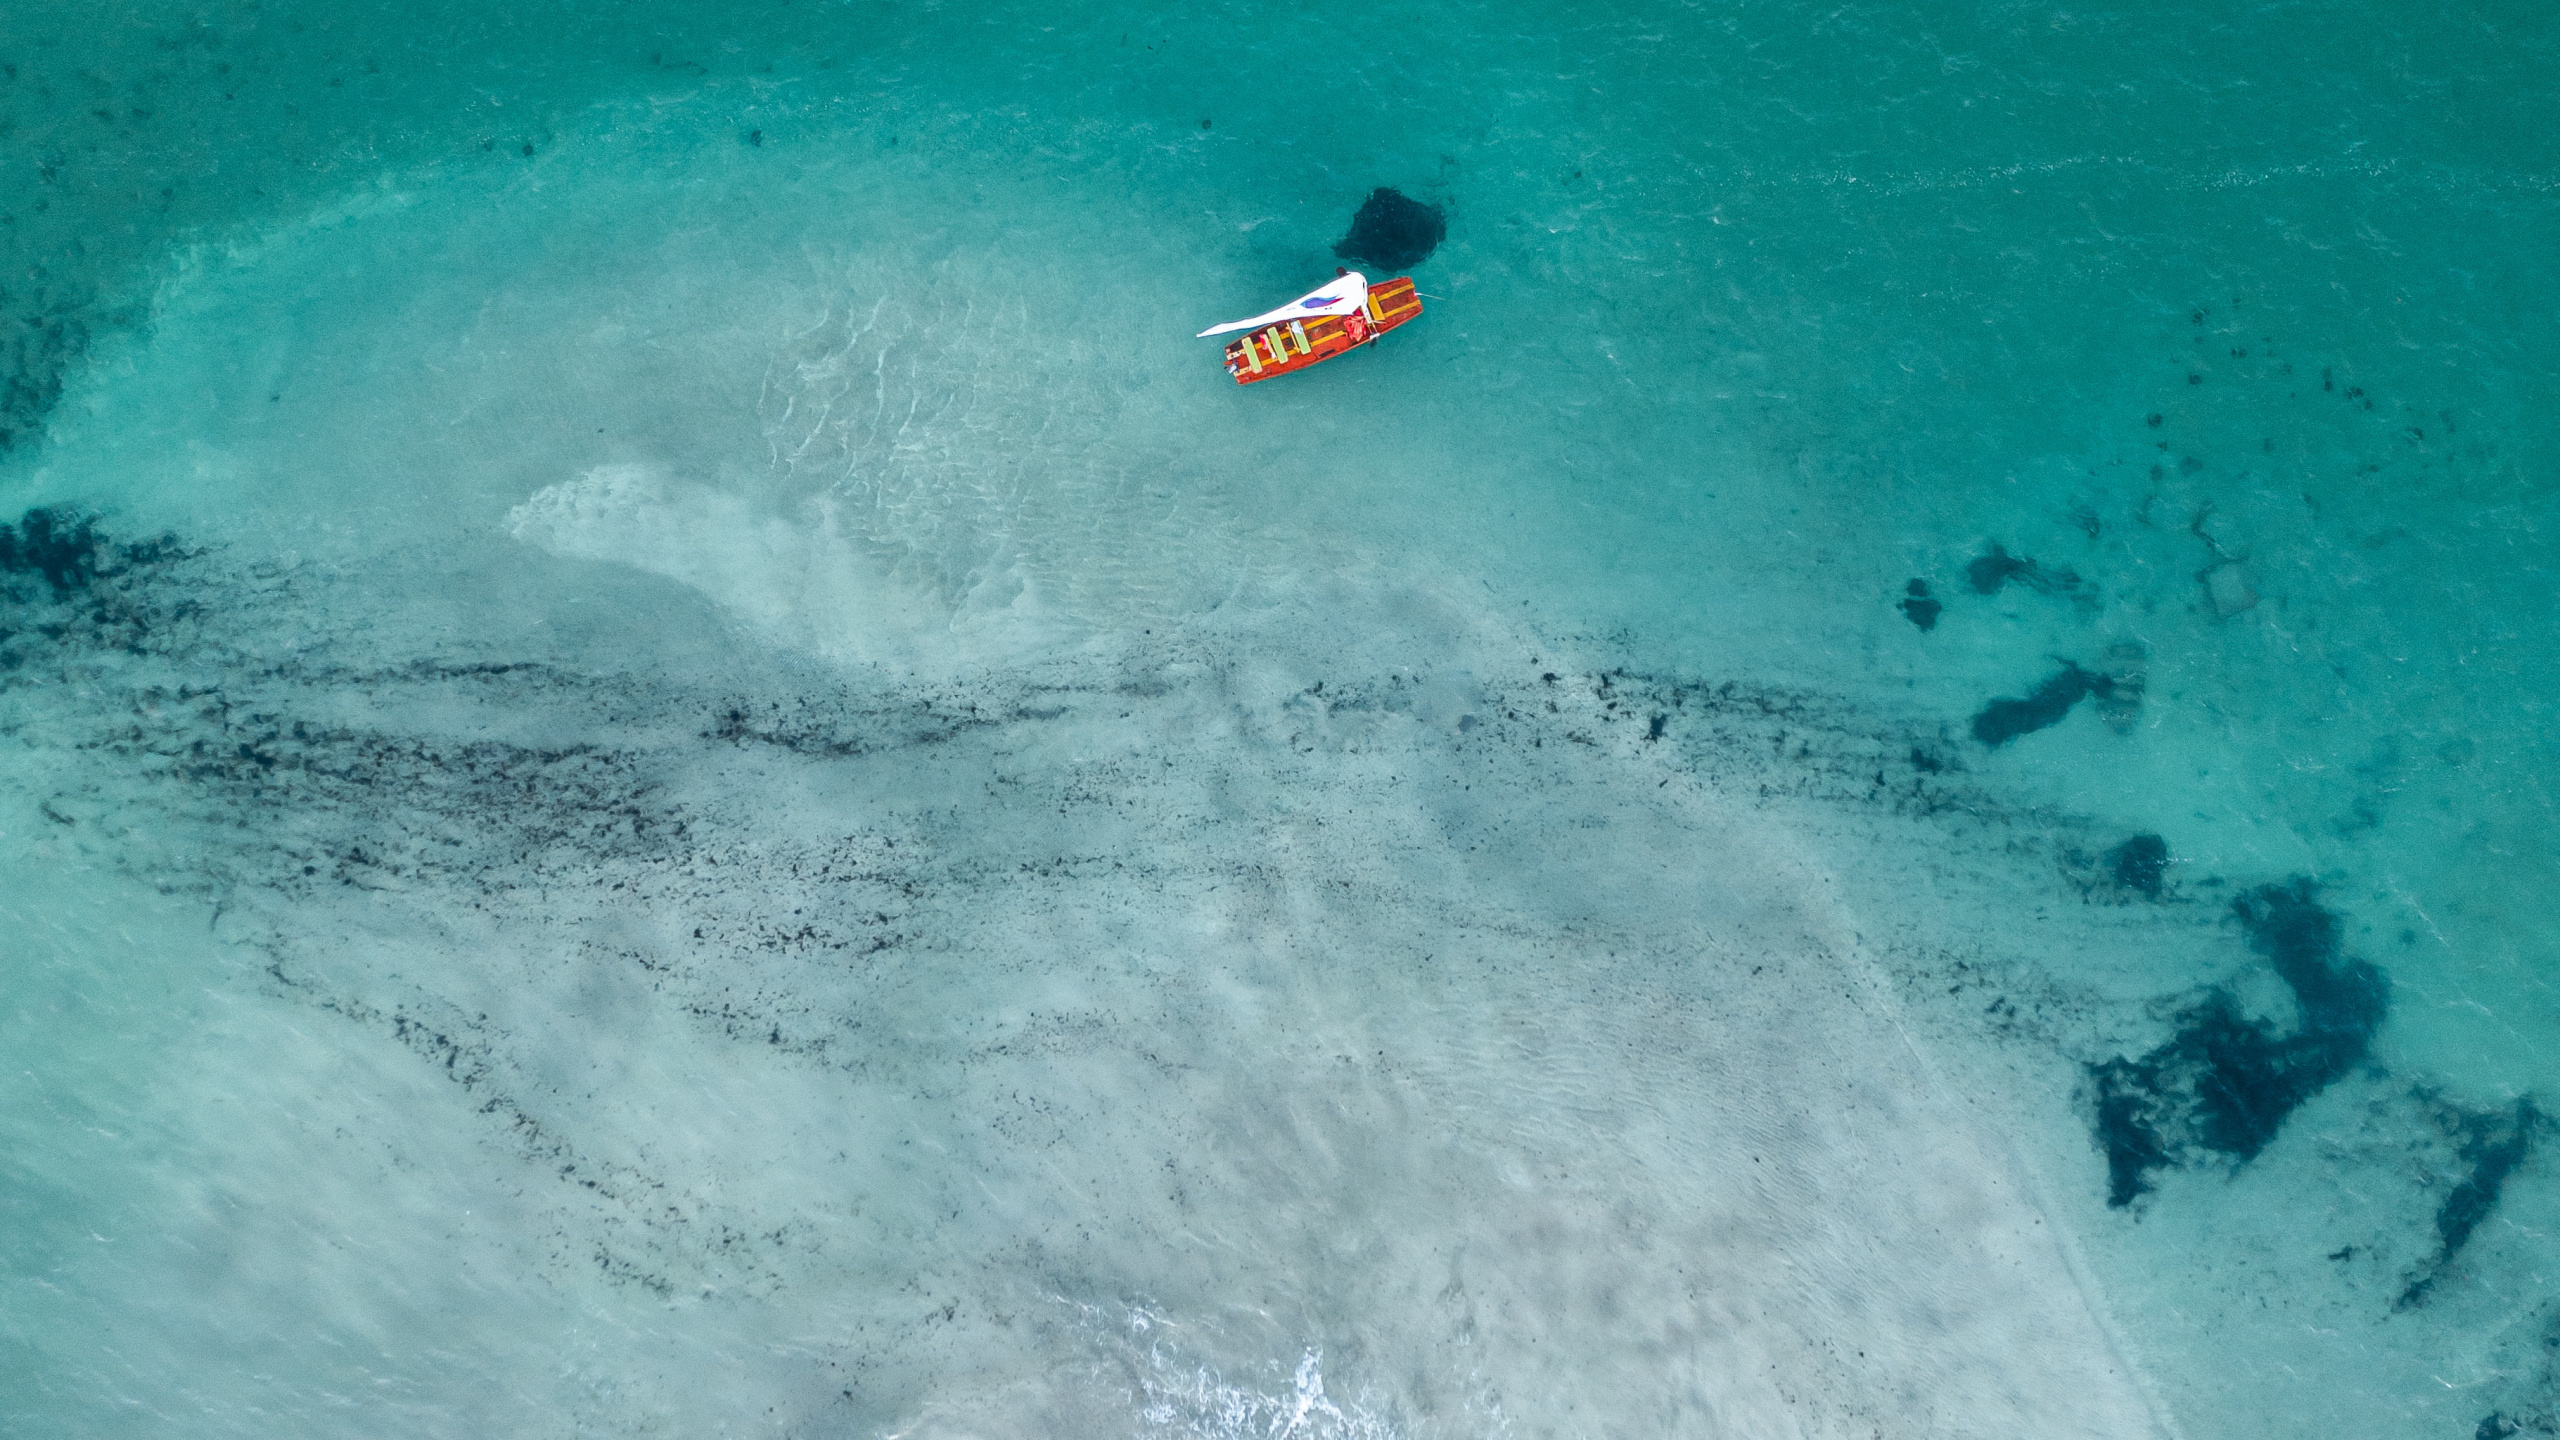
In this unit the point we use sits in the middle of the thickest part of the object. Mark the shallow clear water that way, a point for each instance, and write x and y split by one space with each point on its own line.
702 777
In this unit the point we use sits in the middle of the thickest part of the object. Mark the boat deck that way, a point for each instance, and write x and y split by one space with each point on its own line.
1281 348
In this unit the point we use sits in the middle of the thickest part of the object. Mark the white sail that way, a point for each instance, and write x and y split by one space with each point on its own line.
1339 296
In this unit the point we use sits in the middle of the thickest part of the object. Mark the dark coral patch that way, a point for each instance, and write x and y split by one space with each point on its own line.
1918 608
1393 230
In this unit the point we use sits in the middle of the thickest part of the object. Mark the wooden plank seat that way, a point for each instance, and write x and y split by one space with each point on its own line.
1280 349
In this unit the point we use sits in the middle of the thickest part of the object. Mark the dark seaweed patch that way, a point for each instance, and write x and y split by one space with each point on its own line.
62 549
43 337
2492 1161
1988 573
2133 1145
2532 1411
2005 719
339 805
1918 608
67 552
1393 230
2226 1081
2249 1082
2118 692
2343 1001
2140 863
2493 1145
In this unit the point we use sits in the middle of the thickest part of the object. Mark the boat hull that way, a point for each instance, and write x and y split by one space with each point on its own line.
1282 349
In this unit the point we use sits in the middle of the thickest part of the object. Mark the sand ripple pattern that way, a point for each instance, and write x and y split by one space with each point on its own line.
969 437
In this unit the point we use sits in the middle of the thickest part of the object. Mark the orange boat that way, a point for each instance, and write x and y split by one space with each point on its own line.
1344 315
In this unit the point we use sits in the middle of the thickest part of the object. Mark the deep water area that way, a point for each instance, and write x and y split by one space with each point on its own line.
672 762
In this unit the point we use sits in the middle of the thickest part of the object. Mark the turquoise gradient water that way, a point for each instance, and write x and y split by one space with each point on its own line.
748 798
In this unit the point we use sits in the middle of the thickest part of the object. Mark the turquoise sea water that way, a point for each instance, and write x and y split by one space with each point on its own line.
700 776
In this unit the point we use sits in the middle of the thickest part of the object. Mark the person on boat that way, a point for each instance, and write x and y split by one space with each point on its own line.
1355 324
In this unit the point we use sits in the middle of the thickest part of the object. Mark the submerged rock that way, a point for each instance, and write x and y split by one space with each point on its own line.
2119 699
2229 590
1393 230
